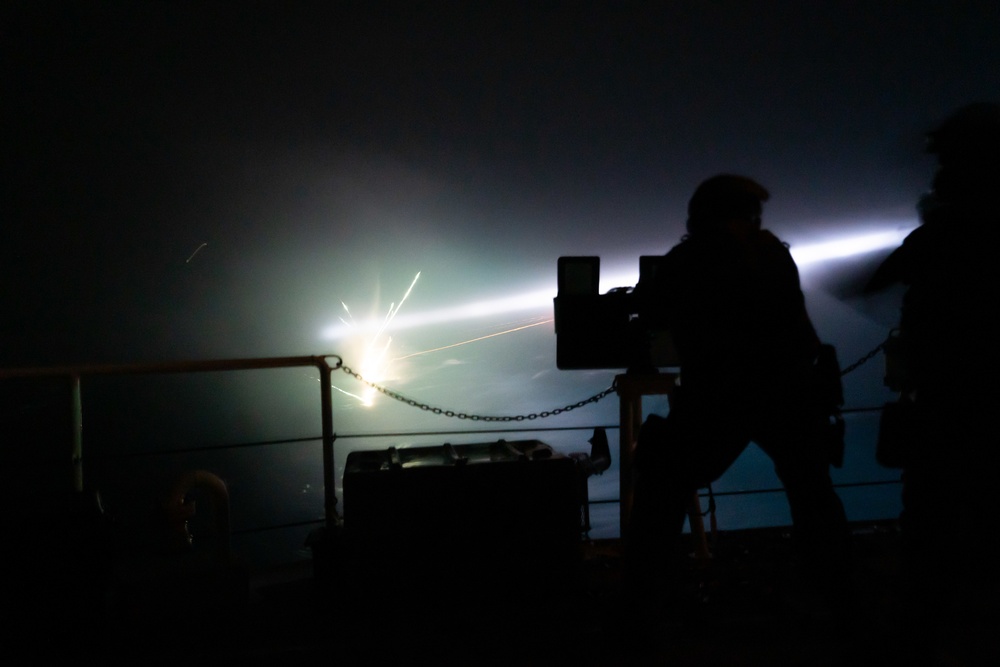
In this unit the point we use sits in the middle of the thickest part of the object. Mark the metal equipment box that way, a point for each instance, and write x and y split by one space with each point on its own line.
499 511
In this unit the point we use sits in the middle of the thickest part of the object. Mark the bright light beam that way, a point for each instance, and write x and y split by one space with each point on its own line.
855 245
805 255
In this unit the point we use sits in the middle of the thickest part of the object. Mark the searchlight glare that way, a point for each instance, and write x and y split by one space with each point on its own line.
377 346
807 255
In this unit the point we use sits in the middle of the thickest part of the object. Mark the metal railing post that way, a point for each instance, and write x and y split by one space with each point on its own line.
329 476
76 427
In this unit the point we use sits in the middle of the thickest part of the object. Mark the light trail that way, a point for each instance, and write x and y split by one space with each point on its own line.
348 311
474 340
196 251
364 400
393 308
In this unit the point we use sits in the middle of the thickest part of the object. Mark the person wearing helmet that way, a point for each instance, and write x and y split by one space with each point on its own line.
729 293
947 346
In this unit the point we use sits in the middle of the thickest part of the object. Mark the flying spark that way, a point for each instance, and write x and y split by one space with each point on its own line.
196 251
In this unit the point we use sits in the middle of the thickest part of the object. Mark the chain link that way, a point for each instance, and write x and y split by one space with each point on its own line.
474 417
864 359
534 415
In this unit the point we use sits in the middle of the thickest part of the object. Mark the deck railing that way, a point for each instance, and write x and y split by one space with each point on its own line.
325 365
75 375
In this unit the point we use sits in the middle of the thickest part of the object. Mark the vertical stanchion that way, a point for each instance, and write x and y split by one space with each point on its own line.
76 426
628 429
329 477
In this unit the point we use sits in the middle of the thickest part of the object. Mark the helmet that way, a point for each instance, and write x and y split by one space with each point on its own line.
725 197
970 135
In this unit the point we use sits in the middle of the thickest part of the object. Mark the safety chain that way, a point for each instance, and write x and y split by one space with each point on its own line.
473 417
534 415
862 360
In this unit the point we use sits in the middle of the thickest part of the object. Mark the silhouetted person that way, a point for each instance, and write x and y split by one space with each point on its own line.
729 293
949 350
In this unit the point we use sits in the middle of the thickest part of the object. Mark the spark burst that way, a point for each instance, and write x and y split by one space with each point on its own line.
374 348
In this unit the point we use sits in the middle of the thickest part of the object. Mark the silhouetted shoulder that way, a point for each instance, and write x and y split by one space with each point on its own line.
768 242
895 268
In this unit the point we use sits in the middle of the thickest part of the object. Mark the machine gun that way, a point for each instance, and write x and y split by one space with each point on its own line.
595 331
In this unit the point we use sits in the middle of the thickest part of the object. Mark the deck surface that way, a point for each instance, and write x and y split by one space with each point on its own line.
746 606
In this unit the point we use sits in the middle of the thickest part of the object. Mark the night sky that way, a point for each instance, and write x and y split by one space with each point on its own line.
189 180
